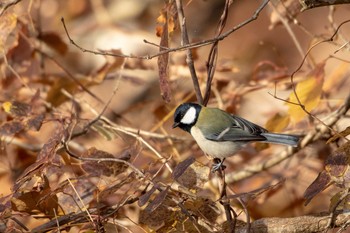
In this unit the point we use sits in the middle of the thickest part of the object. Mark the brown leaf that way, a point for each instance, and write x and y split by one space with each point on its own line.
54 95
106 168
182 166
55 41
194 177
143 199
322 181
33 196
17 109
11 128
49 149
35 122
163 60
158 200
336 172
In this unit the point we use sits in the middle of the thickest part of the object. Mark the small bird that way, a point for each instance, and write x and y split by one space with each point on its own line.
220 134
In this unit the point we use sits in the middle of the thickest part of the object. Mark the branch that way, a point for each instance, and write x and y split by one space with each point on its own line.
5 5
300 224
309 4
189 59
170 50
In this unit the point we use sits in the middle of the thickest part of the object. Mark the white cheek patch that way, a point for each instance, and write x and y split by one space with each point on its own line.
189 117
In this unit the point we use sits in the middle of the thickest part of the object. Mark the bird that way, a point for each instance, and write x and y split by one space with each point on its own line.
220 134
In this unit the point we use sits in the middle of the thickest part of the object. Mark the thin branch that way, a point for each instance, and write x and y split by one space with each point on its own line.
285 23
116 160
5 5
310 4
189 59
302 106
213 54
170 50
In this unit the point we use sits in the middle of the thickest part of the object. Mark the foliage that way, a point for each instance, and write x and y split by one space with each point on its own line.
87 104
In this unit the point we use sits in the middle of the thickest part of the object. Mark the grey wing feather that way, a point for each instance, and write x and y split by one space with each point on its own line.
240 130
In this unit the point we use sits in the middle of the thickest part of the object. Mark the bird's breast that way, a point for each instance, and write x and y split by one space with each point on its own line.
215 149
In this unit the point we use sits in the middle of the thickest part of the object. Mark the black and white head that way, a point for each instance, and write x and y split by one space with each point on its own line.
186 116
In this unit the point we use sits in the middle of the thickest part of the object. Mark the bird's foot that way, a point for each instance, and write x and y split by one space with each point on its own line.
218 164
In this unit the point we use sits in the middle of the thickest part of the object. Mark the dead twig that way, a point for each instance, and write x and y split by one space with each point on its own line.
5 5
189 59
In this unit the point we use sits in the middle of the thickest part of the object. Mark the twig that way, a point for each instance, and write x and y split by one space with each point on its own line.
309 4
84 207
290 32
213 54
189 60
138 172
225 202
302 106
170 50
5 5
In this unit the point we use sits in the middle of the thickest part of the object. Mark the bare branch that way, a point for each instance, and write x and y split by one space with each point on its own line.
5 5
189 60
309 4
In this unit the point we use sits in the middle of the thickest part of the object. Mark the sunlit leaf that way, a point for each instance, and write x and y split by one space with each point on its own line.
17 108
278 122
309 93
337 78
8 23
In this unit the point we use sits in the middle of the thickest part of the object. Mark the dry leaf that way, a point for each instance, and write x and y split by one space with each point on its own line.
336 172
278 122
337 78
55 41
106 168
8 23
158 200
342 134
17 109
309 92
11 128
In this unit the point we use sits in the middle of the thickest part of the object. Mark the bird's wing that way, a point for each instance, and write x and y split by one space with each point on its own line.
239 130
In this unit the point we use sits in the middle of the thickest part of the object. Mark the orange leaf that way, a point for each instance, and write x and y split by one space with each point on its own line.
309 93
278 122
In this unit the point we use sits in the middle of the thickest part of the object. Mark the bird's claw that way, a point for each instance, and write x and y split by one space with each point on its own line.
218 165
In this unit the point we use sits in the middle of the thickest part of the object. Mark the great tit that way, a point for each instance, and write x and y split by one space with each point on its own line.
220 134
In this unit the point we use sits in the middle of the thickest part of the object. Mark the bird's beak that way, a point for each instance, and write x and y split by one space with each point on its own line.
176 124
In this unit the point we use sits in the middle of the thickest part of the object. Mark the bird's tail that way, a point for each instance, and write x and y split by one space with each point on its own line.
284 139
